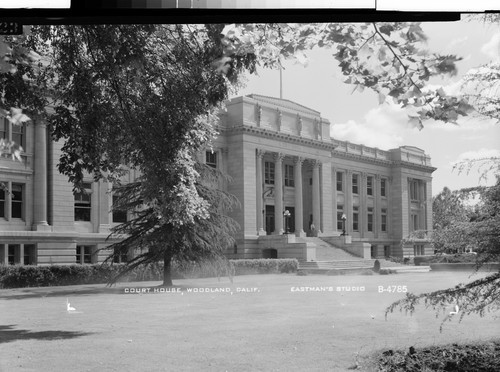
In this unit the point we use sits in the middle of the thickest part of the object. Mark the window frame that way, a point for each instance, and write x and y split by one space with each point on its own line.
369 185
383 220
211 159
383 187
269 172
82 205
340 212
355 184
289 175
340 181
8 133
355 218
84 254
369 219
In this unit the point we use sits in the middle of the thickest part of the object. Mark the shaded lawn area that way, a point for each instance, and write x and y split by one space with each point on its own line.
219 328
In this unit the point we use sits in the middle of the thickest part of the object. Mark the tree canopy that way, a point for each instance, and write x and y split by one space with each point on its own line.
142 97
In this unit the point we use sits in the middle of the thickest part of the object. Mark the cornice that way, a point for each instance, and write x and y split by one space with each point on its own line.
293 107
365 159
285 137
406 164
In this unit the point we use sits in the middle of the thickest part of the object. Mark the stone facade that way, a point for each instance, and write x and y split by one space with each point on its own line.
280 156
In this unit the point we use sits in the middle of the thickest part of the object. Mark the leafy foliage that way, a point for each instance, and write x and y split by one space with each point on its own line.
389 58
483 233
142 97
477 357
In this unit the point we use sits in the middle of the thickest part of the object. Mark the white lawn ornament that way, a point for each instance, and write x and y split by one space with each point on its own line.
456 310
69 307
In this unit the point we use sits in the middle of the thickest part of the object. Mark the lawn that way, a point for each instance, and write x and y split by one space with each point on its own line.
256 323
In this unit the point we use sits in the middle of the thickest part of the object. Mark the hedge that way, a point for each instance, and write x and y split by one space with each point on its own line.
57 275
446 258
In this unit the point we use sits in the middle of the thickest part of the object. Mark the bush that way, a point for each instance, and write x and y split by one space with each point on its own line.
446 258
459 358
57 275
387 271
265 266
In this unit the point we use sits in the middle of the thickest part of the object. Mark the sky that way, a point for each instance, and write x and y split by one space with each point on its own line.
358 117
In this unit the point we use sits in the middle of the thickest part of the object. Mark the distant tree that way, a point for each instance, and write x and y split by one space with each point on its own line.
450 218
481 295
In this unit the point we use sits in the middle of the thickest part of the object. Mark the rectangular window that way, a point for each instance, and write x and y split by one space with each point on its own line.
119 215
414 222
289 180
418 250
12 253
340 222
387 251
83 254
17 200
29 254
2 201
369 185
83 205
269 173
4 128
383 220
211 159
339 182
370 219
13 132
355 218
383 191
18 134
120 257
355 179
414 190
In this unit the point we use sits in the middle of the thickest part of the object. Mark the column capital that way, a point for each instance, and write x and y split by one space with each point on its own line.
378 177
349 172
298 160
315 163
260 153
278 157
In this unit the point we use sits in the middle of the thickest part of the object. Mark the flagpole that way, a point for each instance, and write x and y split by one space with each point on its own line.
281 82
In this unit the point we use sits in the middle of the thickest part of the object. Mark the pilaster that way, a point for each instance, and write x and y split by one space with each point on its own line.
278 194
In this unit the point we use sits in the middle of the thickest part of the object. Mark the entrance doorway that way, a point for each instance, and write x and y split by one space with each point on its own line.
269 219
290 224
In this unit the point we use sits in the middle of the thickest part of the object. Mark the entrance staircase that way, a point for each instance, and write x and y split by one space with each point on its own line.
331 259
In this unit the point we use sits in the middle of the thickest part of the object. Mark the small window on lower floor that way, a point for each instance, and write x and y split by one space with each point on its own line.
84 254
418 250
120 256
29 254
13 253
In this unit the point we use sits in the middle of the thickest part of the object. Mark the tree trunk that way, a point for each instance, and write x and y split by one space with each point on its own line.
167 269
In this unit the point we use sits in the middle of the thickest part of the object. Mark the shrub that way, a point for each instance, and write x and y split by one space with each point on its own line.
387 271
265 266
57 275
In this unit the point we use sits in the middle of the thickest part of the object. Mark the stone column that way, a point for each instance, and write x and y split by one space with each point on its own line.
377 209
104 205
259 192
40 177
348 201
299 211
334 201
316 207
278 194
363 208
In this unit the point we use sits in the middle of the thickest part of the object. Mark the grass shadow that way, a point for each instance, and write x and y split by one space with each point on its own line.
9 334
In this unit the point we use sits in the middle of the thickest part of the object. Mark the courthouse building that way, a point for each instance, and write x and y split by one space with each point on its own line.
294 181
